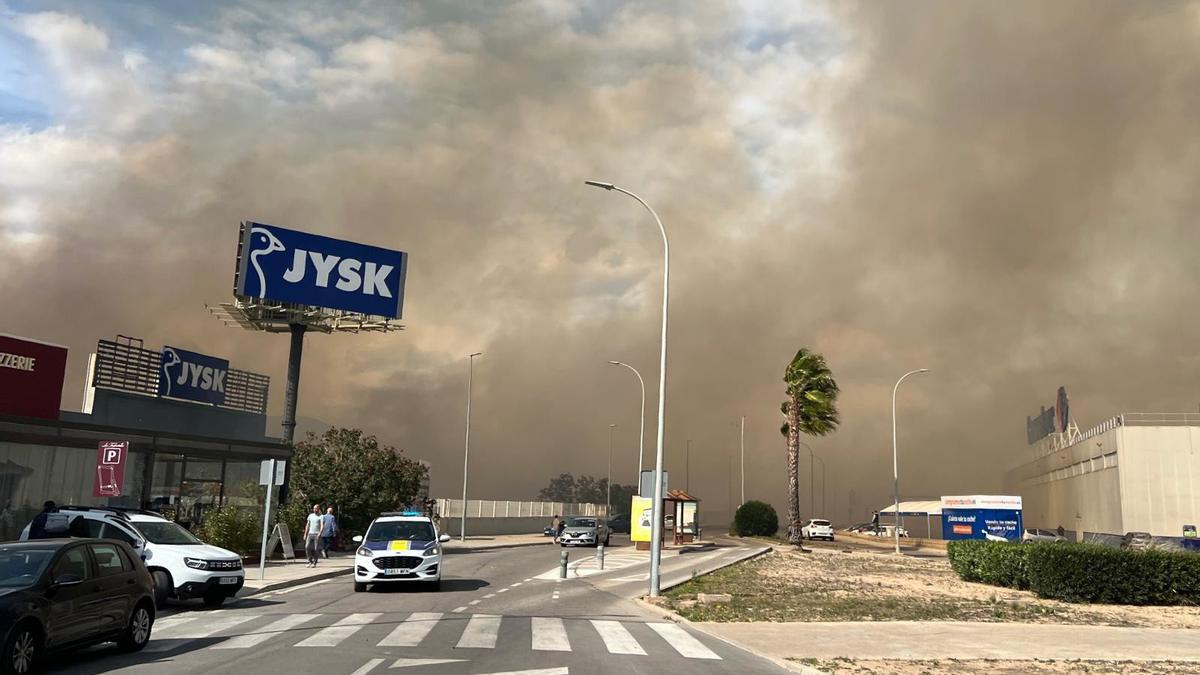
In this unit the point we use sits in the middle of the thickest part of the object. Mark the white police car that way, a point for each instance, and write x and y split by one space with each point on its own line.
399 547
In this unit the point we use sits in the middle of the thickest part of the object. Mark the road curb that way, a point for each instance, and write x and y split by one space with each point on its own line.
299 582
729 563
782 663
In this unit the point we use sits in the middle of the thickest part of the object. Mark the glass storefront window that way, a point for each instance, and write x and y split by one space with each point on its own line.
241 484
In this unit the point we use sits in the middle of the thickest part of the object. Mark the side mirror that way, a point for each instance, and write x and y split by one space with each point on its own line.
67 580
444 538
356 539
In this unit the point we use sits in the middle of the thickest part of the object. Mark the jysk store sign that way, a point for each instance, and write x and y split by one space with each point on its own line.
192 376
31 377
981 517
309 269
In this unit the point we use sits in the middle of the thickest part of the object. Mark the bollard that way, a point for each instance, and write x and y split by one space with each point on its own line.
600 555
562 565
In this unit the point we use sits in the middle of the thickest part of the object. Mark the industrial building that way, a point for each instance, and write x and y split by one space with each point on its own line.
1136 472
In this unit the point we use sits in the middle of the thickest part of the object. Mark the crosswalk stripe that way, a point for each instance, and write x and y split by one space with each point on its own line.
412 630
266 632
616 638
333 635
683 642
549 635
367 667
172 623
203 630
481 632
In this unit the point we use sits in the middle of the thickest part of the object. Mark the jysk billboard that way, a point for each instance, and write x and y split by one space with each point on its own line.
982 517
31 377
192 376
309 269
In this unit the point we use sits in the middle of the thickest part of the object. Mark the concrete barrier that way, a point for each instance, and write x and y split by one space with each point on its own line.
482 526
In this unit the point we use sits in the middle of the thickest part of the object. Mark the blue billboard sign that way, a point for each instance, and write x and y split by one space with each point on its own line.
192 376
982 517
309 269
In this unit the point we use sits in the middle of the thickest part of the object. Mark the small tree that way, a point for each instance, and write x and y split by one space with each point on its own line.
351 472
756 518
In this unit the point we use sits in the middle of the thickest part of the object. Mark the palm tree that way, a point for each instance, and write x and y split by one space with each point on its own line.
811 408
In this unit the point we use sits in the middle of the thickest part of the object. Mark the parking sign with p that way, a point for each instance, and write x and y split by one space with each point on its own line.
110 468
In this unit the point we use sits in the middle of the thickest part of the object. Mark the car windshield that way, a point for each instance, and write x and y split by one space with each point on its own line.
821 523
581 522
406 530
21 566
164 532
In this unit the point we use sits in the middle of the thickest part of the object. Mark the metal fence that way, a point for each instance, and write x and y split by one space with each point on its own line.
489 508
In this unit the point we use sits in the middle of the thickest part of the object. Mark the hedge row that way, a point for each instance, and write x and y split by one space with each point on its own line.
1082 572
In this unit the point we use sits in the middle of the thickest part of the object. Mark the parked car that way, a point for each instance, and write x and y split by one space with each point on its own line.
181 565
816 528
619 523
1137 541
885 531
61 594
584 532
1032 534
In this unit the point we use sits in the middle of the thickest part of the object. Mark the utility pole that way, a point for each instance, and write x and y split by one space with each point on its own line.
608 483
462 532
687 468
742 443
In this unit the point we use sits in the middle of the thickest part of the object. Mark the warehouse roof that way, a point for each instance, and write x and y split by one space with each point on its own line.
931 507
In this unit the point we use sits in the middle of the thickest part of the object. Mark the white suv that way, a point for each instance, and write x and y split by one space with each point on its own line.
399 547
182 566
815 528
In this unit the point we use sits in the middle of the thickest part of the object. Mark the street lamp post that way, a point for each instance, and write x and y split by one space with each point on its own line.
823 513
462 531
812 503
608 483
656 530
687 467
895 455
742 445
642 433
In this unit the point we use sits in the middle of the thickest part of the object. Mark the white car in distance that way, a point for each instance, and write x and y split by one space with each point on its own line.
817 528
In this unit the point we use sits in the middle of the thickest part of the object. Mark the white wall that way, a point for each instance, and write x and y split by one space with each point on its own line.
1160 476
1078 487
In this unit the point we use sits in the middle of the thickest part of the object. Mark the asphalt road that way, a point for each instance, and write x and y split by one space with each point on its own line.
499 611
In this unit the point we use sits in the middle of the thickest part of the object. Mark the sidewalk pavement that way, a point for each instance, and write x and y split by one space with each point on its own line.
281 574
957 640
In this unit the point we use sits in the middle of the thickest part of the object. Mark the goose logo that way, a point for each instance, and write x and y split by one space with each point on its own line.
192 376
320 271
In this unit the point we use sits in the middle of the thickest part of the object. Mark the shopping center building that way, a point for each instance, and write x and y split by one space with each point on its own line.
195 431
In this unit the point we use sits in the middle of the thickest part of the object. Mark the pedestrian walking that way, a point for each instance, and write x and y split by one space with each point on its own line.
329 531
313 528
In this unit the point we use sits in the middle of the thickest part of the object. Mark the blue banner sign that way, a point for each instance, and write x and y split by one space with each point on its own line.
309 269
991 524
192 376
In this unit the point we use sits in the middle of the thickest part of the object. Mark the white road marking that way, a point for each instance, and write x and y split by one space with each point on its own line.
473 602
459 610
408 663
481 632
529 579
272 629
367 667
171 623
333 635
682 641
201 631
516 584
542 671
502 590
549 635
295 588
489 595
616 638
412 630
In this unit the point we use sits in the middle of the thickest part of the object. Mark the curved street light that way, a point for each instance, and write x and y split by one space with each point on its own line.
895 461
642 433
462 530
656 529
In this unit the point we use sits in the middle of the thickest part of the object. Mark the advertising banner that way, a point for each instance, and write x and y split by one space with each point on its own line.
641 518
991 524
31 377
110 468
309 269
192 376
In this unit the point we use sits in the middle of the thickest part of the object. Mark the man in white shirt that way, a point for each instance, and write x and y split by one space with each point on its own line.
313 529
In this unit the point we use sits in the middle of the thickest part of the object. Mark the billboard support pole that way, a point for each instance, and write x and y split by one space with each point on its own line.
291 394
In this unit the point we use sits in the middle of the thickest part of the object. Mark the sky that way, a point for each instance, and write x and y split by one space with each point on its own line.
1003 193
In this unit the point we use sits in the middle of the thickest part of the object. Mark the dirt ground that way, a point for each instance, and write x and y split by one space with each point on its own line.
998 667
838 583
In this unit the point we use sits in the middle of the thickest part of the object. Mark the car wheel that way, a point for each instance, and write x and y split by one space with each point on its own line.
214 598
22 650
607 538
359 587
162 588
137 633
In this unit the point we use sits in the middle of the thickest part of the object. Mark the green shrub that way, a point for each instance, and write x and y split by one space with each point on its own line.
1081 572
756 518
233 528
1094 573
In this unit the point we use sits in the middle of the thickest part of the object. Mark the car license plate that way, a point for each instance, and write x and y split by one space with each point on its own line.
228 581
393 572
